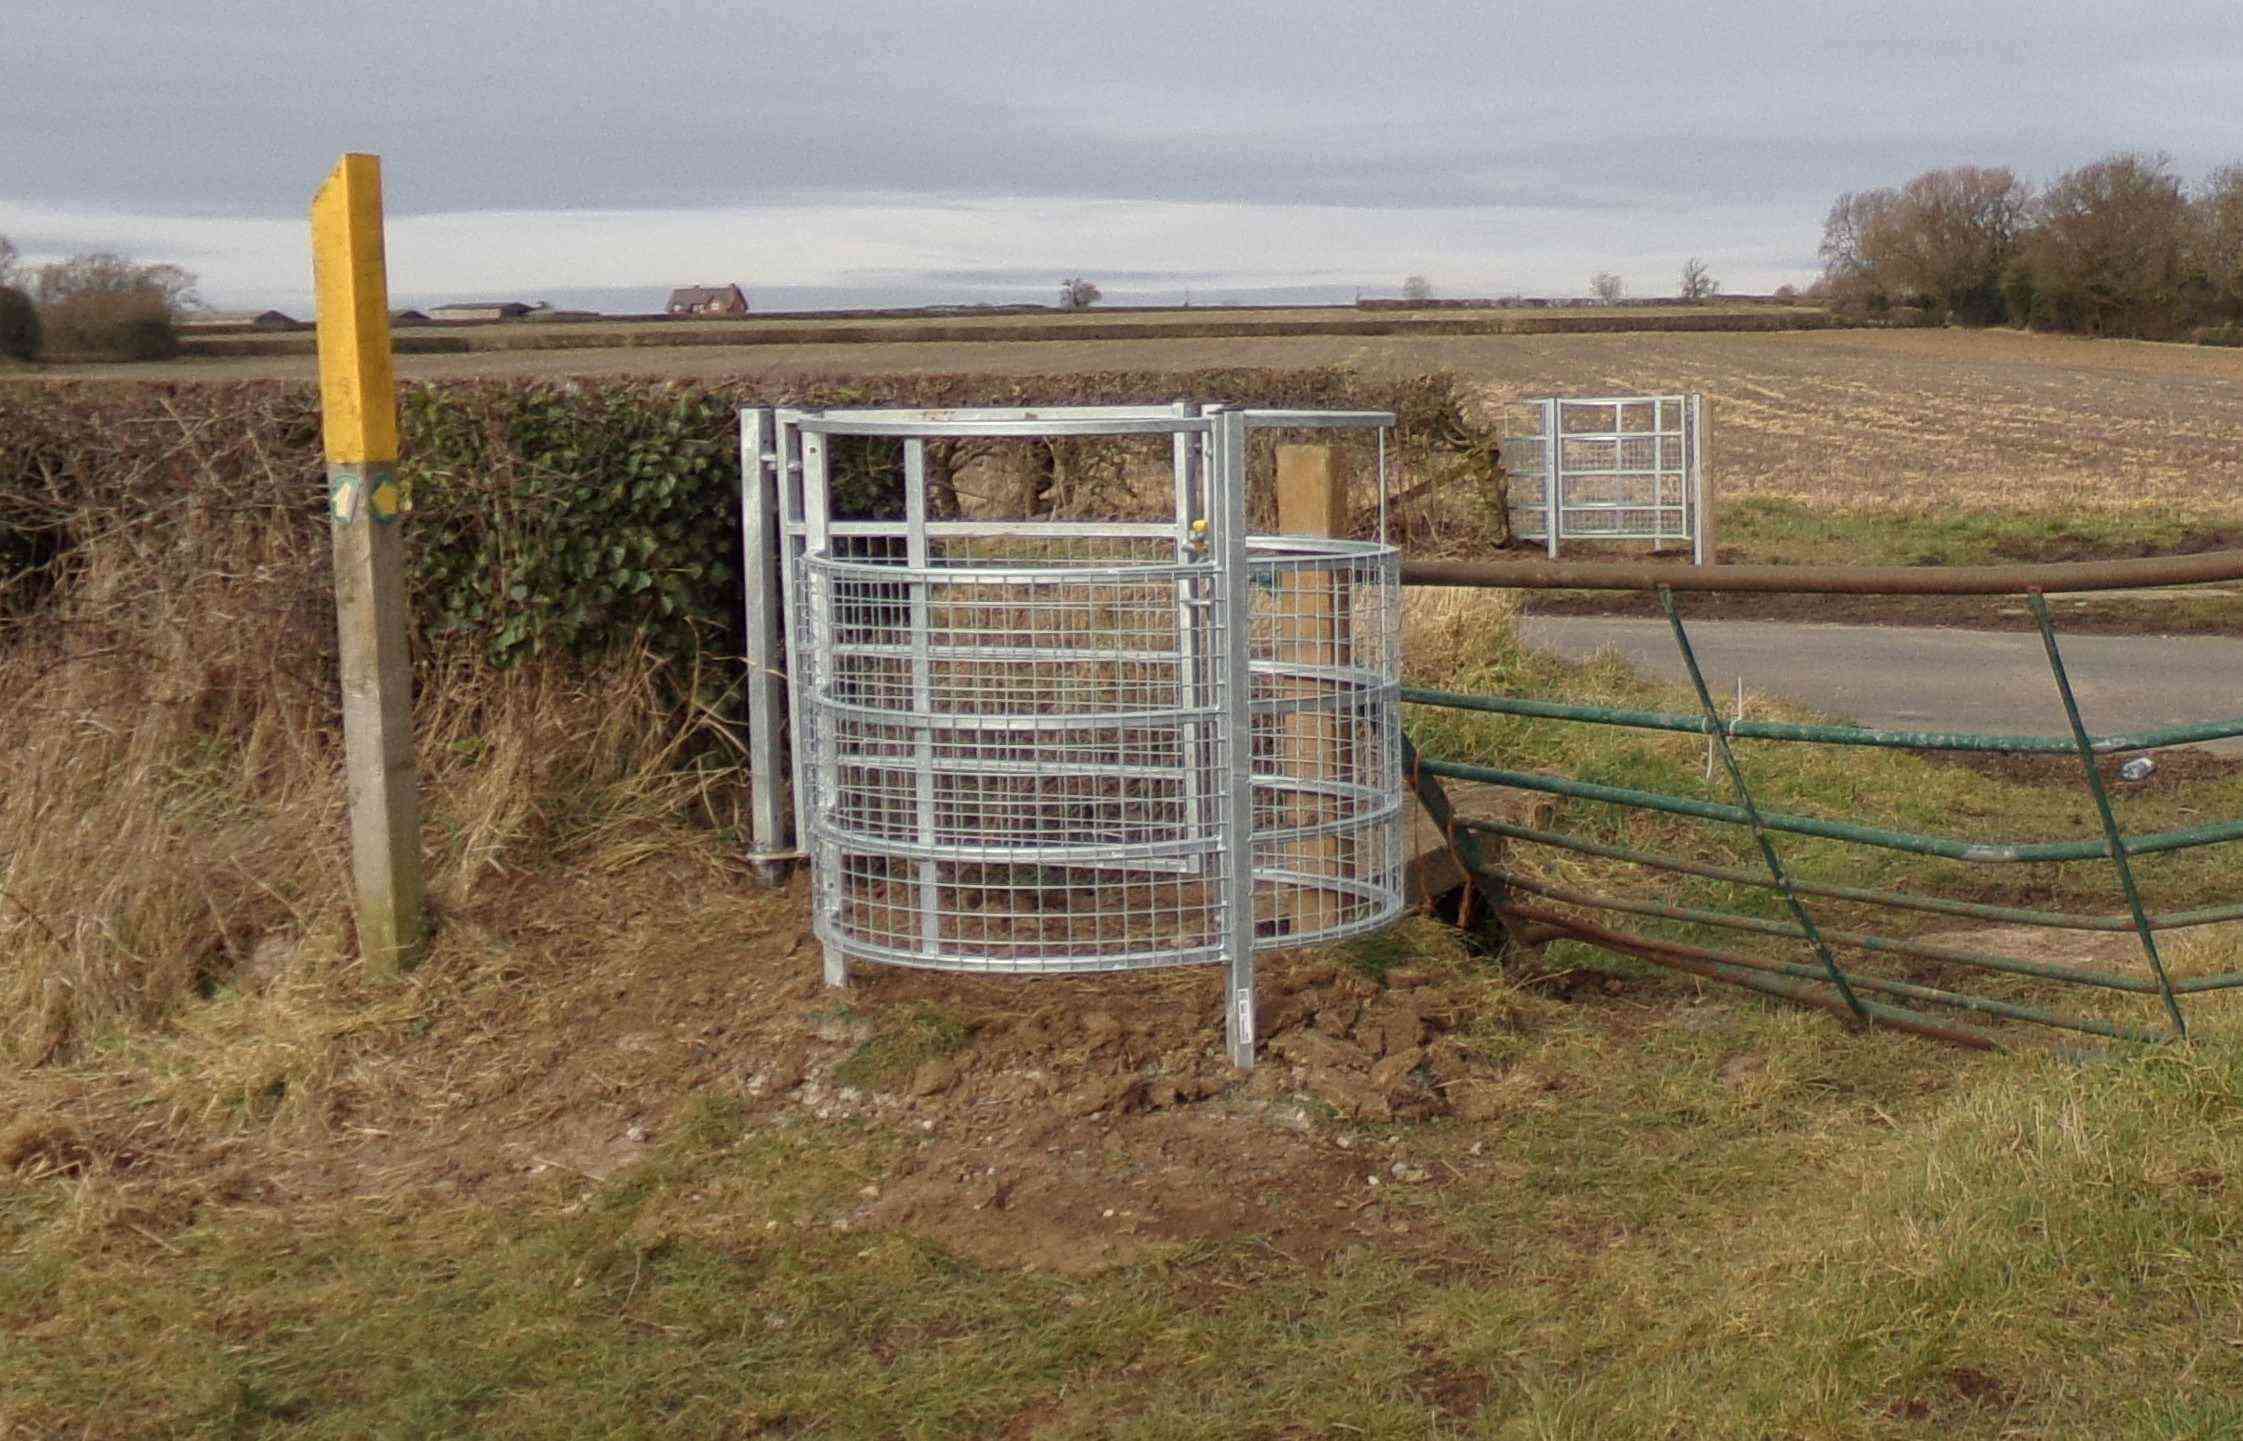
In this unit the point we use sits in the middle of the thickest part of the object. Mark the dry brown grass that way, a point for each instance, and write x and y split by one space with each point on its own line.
1446 628
173 822
173 833
169 803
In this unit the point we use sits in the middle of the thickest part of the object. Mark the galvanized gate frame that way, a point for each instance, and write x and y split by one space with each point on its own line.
1678 486
1826 982
786 526
770 481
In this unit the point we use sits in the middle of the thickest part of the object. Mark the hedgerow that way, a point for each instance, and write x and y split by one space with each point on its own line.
563 518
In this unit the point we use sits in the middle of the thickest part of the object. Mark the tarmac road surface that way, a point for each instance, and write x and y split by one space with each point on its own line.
1918 678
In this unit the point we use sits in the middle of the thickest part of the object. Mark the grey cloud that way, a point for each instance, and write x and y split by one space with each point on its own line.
237 107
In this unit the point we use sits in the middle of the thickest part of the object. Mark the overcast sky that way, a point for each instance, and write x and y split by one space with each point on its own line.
915 150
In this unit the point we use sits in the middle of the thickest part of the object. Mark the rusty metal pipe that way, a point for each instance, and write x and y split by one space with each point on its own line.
2054 579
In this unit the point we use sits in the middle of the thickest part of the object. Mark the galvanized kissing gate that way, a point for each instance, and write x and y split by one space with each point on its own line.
1037 746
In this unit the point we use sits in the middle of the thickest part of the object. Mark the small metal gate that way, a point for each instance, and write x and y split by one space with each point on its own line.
1611 468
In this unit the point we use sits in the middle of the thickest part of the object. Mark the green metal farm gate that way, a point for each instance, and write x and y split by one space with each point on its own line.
1823 978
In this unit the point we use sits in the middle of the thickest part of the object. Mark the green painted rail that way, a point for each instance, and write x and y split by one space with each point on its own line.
1826 981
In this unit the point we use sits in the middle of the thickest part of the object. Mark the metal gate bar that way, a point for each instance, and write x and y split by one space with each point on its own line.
1827 983
1896 900
1914 842
2111 833
1829 734
1752 812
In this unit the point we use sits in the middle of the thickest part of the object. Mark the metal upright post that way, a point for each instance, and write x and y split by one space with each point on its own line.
1553 473
826 854
922 687
1227 504
1699 490
1191 658
786 476
771 806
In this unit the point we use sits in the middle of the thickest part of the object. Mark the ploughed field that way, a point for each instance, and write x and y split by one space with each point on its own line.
1856 419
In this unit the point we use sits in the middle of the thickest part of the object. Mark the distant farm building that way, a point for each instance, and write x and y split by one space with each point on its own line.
481 310
407 317
240 320
708 300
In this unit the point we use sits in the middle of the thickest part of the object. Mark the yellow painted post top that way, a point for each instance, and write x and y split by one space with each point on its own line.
350 275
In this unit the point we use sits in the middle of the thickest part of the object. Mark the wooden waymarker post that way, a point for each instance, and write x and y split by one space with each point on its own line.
1312 501
358 405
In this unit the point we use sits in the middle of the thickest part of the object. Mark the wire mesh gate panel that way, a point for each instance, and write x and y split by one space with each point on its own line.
1610 468
1056 746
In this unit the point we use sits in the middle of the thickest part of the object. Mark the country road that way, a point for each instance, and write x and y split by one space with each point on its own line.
1933 679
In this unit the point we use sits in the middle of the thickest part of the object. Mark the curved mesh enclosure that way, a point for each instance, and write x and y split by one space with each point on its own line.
1052 746
1327 740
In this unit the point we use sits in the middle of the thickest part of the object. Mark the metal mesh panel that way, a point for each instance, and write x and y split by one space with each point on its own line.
1327 749
1618 469
1013 753
1020 761
1021 743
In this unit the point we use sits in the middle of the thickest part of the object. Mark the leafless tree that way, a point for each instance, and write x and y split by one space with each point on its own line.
1947 236
1849 272
8 254
103 273
1607 287
2215 241
1417 287
2105 255
2114 247
1076 293
1697 281
104 304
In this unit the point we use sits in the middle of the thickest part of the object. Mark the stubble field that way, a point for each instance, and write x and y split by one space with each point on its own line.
1897 421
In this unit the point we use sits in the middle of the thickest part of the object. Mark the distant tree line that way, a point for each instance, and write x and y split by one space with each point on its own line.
2120 246
98 305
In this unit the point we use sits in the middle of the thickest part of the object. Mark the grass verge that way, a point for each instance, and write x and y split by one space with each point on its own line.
1724 1226
1887 788
589 1172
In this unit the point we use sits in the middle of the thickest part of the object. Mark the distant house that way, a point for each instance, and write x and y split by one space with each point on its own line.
239 320
407 317
708 300
481 310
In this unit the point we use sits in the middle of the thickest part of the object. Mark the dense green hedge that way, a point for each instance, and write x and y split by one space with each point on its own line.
567 518
546 517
